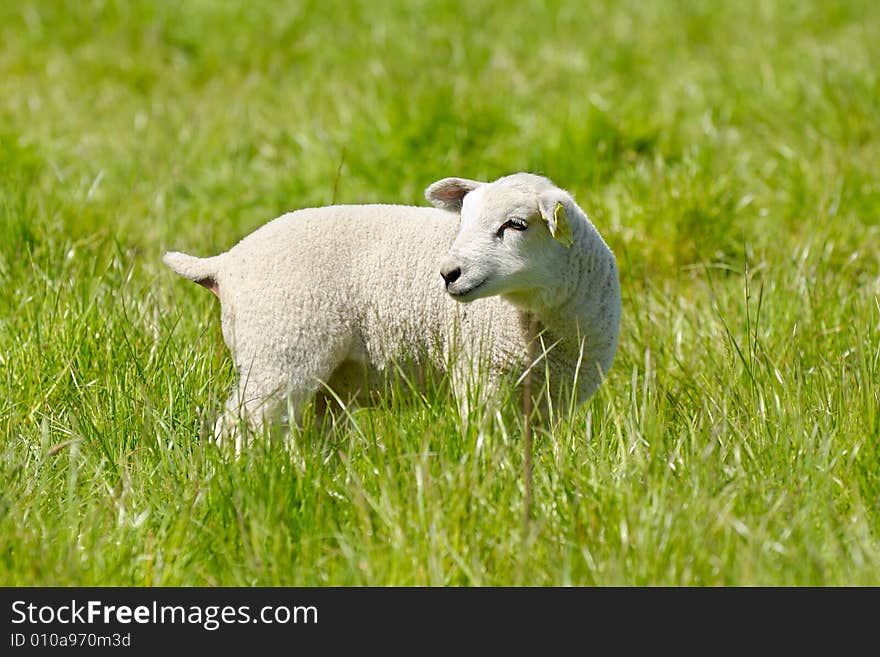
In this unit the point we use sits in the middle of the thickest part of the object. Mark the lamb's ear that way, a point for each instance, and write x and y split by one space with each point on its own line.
553 212
449 193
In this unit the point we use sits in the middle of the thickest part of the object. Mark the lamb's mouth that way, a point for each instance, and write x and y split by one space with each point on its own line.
462 295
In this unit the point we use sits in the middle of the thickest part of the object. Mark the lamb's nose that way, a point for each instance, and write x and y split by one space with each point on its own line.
450 275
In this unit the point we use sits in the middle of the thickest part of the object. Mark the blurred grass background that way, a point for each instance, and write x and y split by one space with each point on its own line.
728 152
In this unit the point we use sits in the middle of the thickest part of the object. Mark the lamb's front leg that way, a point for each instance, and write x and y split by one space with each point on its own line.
477 389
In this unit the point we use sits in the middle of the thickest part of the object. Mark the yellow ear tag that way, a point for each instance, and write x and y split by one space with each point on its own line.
562 232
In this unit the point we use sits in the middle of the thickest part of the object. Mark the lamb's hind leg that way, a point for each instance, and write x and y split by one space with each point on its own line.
265 384
254 401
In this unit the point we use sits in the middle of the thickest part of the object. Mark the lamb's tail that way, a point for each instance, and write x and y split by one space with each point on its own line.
200 270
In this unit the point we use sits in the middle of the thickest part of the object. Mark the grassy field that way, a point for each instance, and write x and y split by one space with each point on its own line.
728 152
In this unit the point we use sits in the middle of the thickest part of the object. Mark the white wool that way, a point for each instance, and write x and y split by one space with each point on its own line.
337 296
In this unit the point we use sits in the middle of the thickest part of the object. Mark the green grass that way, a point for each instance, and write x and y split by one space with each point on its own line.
728 152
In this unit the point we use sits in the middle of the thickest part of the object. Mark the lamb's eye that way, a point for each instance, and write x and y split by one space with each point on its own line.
513 224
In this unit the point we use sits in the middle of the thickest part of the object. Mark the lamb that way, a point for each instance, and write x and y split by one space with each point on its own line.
336 297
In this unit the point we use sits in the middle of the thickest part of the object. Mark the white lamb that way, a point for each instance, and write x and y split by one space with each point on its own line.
339 296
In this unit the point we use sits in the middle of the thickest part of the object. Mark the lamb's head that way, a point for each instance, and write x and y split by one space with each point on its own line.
512 239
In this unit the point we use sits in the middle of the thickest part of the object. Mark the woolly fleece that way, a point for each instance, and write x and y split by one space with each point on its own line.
339 295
